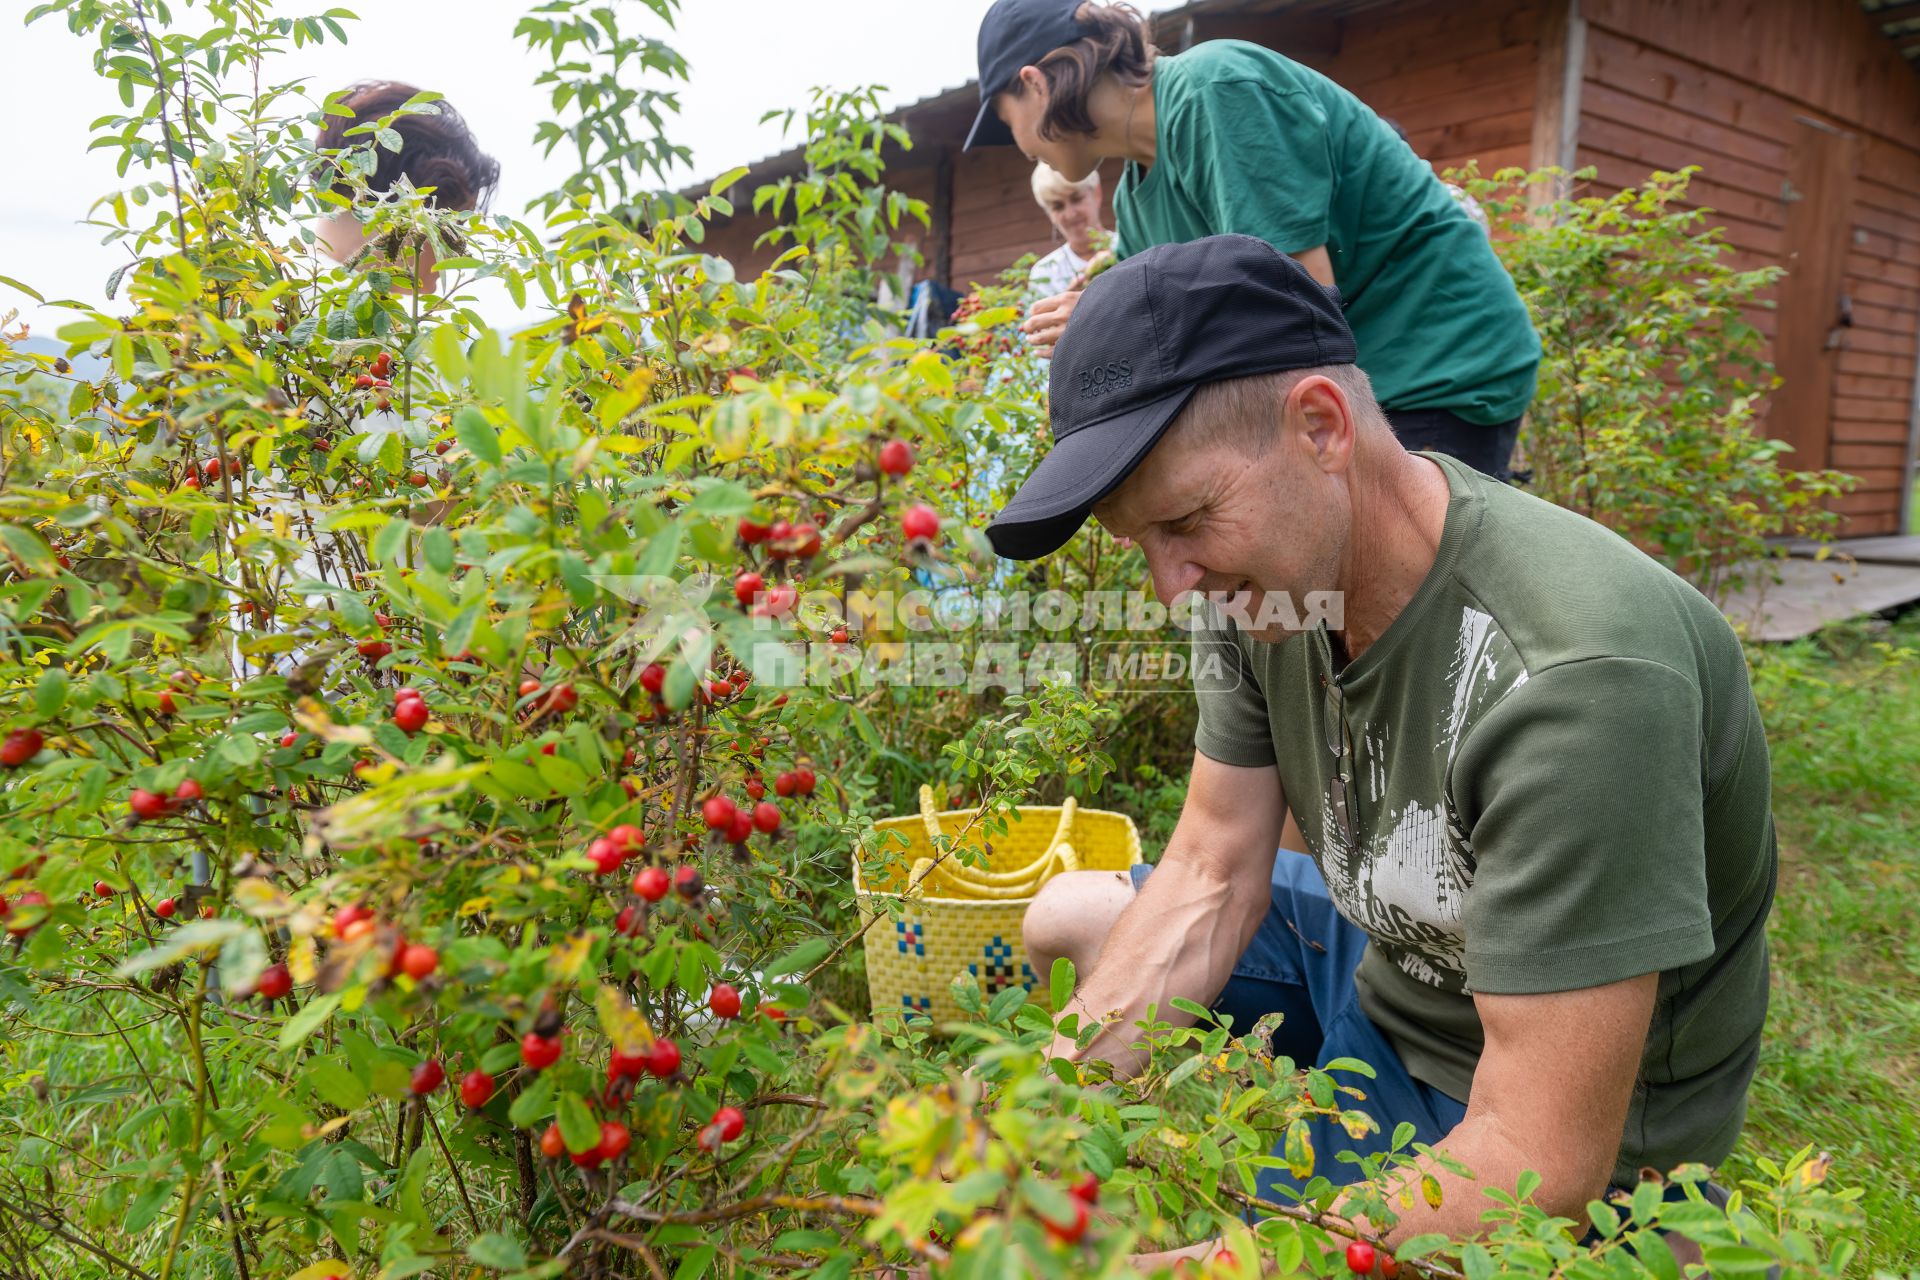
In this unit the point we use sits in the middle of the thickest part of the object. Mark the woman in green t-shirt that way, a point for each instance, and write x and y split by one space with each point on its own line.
1233 137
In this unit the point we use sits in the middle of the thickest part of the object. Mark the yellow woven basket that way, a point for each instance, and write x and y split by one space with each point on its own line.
943 918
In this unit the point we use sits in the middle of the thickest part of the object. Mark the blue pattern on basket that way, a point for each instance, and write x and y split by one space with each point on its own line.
997 974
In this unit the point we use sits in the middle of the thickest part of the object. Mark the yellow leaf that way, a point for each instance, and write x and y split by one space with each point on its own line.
1298 1150
621 1021
282 527
302 962
256 896
1430 1190
474 906
568 959
320 1271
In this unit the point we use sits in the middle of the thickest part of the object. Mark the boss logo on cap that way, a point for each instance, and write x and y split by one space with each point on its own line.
1115 375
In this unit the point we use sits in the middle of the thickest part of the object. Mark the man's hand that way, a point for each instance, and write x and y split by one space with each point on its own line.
1048 320
1193 917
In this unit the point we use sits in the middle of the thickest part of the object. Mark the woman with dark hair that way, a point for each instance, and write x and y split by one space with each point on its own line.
437 155
1233 137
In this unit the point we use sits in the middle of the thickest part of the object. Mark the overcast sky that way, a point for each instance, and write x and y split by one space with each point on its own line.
745 57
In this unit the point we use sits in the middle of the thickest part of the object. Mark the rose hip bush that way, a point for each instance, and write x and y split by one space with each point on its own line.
419 854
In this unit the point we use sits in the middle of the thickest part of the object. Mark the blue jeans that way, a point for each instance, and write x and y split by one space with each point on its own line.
1301 964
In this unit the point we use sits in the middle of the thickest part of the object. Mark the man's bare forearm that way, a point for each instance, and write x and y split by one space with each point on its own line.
1496 1159
1180 937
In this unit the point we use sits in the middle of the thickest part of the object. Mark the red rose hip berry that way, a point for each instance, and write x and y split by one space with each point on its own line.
920 522
476 1088
727 1124
539 1052
1360 1258
418 961
724 1000
1070 1231
652 883
427 1077
662 1058
21 746
276 981
896 457
410 716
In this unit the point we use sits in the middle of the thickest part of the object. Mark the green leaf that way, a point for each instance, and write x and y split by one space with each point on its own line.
31 293
477 435
436 548
714 188
1060 983
341 1176
335 1084
197 935
311 1017
1646 1202
1734 1259
804 956
1421 1246
50 691
577 1125
533 1103
1005 1002
28 545
497 1251
391 541
695 1264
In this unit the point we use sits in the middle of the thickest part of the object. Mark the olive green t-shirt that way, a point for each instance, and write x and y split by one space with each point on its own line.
1550 775
1252 142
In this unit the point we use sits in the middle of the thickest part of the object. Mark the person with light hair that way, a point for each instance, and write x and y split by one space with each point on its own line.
1074 210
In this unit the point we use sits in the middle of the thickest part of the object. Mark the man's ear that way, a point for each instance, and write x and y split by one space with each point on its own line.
1031 80
1325 418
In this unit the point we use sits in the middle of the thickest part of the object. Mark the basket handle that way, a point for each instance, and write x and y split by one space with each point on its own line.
1068 807
928 875
929 815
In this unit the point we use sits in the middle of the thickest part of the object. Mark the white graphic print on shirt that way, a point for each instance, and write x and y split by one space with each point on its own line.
1403 877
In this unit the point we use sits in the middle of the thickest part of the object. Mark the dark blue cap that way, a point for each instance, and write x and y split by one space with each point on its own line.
1016 34
1144 335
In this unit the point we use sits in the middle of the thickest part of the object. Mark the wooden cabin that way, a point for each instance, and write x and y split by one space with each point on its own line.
1804 115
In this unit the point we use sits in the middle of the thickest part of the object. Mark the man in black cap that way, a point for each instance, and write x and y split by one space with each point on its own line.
1528 769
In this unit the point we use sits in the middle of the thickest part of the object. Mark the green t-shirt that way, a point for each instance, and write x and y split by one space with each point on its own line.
1251 142
1554 777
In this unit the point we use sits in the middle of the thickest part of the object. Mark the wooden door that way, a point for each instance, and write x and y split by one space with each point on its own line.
1814 309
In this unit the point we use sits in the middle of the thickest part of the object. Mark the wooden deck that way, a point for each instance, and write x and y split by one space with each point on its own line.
1859 576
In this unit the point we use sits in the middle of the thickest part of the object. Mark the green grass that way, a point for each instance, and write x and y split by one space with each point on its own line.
1840 1067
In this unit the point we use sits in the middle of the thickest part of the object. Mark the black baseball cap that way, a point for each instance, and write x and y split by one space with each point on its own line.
1143 336
1016 34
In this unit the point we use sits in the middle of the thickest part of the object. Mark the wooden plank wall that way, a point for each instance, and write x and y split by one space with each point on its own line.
1457 75
1720 83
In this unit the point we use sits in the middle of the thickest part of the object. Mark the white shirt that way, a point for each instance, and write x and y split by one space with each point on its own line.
1053 273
